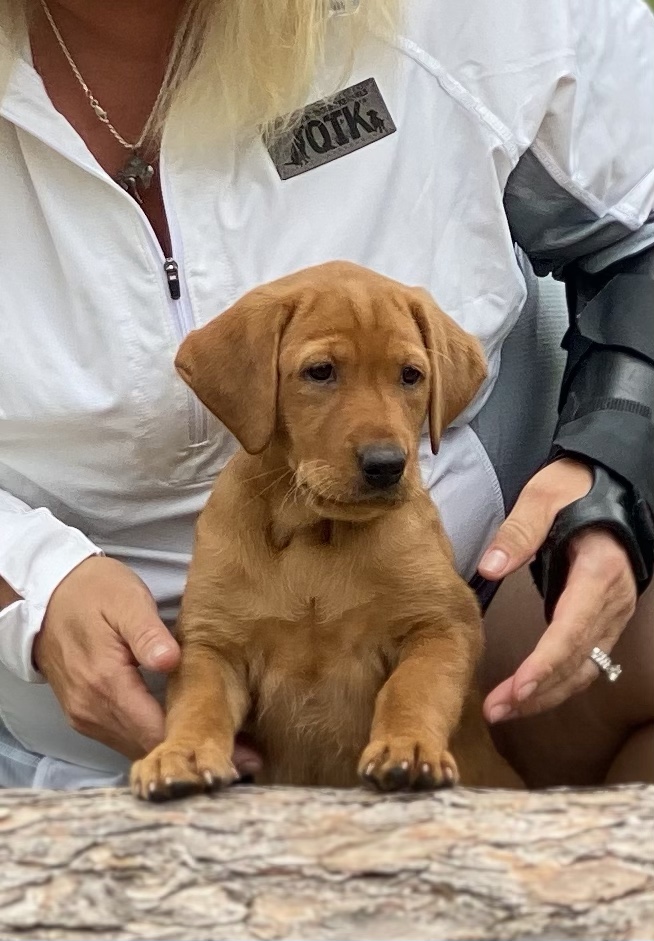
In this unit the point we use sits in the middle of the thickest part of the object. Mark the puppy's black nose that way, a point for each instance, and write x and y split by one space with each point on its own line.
382 465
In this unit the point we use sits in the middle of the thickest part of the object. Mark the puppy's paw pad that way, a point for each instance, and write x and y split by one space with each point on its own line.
407 764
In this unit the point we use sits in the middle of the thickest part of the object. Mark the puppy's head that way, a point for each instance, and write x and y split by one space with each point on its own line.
340 367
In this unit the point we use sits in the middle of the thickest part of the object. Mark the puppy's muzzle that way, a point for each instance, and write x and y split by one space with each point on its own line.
382 465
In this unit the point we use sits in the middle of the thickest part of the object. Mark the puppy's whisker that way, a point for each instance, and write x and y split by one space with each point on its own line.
278 480
320 473
305 483
308 469
317 460
292 491
317 483
287 496
275 470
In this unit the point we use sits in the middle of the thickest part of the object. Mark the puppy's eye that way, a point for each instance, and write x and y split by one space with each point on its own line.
320 372
411 376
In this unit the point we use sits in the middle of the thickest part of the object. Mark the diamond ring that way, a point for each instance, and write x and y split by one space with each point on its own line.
606 665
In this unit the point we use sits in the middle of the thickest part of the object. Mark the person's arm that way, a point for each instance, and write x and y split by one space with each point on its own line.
37 552
580 204
83 623
607 397
607 415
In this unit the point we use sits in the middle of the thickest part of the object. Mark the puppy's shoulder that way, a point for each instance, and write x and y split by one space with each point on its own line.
235 491
228 541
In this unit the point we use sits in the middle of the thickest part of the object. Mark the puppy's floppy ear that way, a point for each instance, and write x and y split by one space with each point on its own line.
231 364
458 364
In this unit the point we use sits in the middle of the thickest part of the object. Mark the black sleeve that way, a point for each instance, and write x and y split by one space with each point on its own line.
607 417
606 413
607 397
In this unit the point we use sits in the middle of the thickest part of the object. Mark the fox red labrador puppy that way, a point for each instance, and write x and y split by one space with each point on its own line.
323 614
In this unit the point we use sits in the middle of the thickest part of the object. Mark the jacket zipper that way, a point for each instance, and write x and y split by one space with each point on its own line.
180 309
180 306
180 314
183 323
180 303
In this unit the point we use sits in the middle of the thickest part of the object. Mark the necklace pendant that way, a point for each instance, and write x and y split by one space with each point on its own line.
136 173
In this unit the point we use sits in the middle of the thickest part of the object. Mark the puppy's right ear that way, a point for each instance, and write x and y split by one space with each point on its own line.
458 364
231 365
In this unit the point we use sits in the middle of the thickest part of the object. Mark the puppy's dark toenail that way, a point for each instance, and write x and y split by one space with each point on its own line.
425 781
158 796
369 780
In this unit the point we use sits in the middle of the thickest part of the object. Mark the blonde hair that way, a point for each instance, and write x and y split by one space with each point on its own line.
241 65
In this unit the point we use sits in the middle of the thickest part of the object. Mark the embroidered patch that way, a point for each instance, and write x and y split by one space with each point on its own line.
352 119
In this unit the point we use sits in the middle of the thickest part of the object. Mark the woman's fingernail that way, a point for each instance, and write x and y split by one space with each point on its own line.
500 712
159 651
526 691
494 562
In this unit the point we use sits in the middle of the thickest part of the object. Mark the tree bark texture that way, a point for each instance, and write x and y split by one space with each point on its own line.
285 863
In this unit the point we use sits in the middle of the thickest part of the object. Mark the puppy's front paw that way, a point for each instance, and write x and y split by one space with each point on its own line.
177 769
407 764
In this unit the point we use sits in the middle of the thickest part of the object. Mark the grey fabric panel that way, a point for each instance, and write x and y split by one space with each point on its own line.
635 243
517 423
554 228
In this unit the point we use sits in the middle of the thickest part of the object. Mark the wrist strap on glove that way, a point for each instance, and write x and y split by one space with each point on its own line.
612 505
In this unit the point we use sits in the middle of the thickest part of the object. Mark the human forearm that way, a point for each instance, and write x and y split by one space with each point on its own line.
37 551
607 399
607 415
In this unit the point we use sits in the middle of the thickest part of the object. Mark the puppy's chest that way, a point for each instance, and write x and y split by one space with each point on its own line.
313 685
323 621
312 582
328 625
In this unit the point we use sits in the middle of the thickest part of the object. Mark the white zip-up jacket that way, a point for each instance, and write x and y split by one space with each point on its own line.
102 447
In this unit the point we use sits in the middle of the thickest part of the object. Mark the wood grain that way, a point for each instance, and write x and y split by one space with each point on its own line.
315 864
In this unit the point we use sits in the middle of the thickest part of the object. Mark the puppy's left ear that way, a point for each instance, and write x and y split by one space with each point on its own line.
458 364
231 364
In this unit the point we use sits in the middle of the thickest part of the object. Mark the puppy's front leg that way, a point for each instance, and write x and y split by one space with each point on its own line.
207 701
419 708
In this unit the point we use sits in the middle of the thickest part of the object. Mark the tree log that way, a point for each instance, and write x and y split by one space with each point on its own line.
285 863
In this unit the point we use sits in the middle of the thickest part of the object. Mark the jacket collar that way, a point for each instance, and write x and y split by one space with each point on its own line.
24 102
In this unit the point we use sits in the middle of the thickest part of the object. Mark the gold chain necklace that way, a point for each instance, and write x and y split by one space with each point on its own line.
137 172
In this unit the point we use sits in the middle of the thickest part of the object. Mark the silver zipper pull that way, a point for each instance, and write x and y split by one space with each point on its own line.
171 269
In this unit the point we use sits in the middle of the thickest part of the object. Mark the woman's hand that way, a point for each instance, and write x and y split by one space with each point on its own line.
593 610
101 623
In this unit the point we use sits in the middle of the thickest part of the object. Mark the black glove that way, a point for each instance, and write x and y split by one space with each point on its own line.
610 505
607 417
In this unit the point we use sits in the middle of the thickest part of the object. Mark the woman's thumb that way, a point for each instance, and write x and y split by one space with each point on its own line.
518 539
150 641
